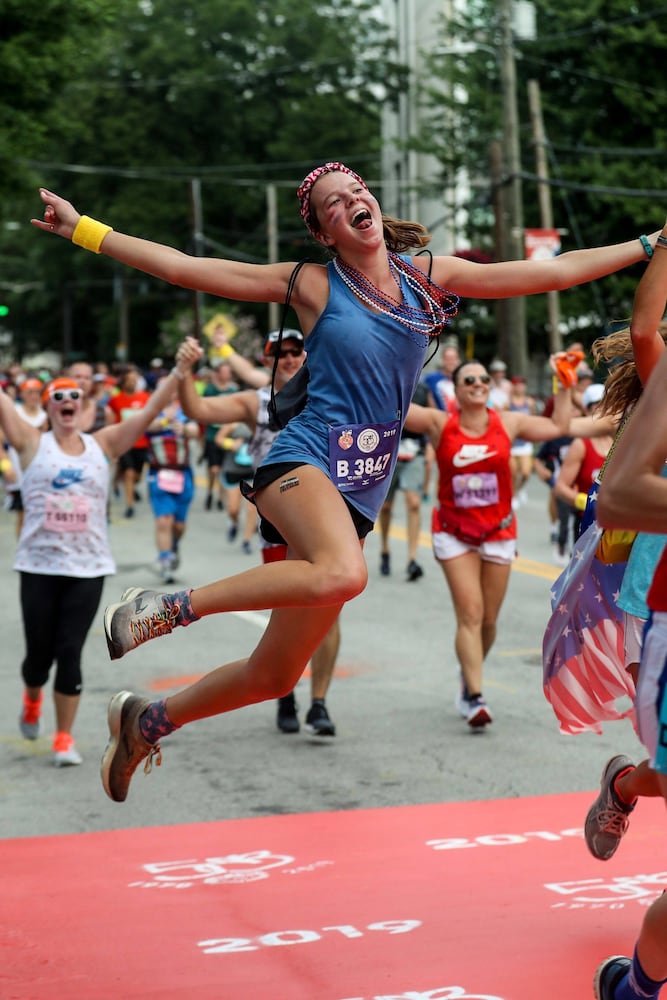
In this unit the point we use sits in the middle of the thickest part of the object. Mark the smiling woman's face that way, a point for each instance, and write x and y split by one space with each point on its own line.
340 203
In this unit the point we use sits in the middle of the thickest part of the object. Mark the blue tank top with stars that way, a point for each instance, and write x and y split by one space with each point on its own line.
364 368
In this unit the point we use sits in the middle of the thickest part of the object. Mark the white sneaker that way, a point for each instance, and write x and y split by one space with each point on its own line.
475 711
560 558
65 753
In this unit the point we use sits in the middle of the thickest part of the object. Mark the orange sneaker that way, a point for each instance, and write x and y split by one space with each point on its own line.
29 719
65 753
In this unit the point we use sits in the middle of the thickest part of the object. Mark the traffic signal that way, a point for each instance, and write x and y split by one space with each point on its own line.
4 311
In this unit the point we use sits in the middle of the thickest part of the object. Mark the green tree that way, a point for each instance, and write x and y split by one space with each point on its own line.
237 95
604 117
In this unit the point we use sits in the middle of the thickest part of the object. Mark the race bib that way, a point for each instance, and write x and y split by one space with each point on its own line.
171 480
361 455
63 513
478 489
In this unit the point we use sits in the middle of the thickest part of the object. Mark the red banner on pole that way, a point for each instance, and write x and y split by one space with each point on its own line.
541 243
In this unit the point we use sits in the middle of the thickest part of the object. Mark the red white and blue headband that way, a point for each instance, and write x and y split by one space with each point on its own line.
304 190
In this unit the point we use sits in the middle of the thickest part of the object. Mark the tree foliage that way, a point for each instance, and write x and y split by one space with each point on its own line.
237 95
604 117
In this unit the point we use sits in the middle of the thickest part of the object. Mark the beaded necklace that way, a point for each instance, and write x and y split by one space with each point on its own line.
440 306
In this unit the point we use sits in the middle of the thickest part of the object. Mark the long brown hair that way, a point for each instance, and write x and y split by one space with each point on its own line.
401 235
623 386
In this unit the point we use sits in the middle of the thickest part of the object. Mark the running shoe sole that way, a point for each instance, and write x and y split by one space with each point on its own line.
114 716
326 730
115 652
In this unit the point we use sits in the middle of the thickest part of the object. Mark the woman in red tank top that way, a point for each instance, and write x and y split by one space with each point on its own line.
474 528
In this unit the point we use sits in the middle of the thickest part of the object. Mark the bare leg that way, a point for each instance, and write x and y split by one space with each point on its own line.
641 782
413 506
474 584
272 670
66 706
384 522
164 532
651 947
326 565
652 942
251 517
495 578
323 662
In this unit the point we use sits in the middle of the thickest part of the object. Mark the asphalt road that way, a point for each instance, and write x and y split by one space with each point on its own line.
399 740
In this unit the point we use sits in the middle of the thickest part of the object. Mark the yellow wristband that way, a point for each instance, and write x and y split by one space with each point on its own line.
580 501
5 465
226 351
227 444
89 233
555 385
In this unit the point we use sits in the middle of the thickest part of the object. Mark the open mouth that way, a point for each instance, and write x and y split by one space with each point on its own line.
67 411
361 219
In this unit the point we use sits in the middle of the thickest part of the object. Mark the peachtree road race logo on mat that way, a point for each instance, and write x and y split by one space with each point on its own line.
610 894
229 870
441 993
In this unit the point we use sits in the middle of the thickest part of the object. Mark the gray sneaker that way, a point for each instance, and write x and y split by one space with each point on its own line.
126 747
140 615
608 818
30 718
608 976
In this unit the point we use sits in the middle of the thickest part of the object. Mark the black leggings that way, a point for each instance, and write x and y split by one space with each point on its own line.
57 614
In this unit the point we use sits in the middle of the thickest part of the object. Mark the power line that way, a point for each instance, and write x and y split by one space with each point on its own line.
595 27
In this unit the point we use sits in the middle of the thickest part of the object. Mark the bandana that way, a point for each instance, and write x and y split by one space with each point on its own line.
58 383
307 184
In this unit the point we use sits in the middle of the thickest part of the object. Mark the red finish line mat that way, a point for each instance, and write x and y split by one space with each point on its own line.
494 900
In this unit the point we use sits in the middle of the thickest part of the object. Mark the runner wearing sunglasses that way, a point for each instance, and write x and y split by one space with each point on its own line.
474 528
63 552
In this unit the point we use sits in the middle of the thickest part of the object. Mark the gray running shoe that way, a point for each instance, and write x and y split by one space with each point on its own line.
140 615
609 975
608 817
30 718
126 747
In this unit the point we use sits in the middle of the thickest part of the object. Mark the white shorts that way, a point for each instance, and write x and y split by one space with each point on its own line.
633 631
525 448
651 699
449 547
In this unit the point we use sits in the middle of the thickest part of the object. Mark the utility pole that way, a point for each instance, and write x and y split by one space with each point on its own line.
272 237
198 243
512 234
546 211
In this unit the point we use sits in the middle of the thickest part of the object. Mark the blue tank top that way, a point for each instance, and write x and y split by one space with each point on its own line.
364 368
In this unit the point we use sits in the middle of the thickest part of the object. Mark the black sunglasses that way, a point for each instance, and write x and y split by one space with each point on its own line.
471 379
291 352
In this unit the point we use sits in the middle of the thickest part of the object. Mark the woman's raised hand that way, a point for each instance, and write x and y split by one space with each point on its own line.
60 217
189 352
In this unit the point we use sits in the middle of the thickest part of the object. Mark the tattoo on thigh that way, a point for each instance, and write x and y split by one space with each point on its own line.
288 484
